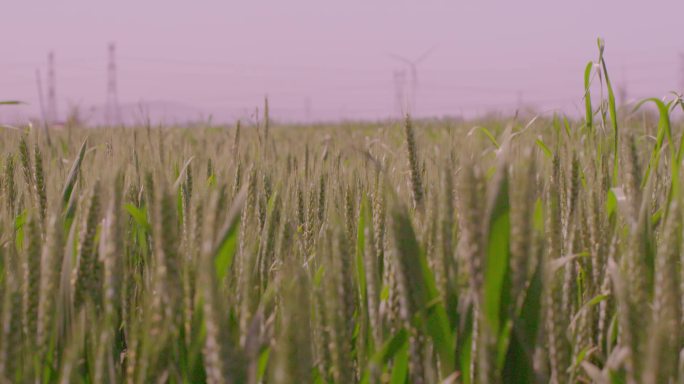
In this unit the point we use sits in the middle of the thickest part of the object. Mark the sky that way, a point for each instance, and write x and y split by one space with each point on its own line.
330 60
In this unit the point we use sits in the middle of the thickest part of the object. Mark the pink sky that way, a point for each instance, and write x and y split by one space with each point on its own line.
320 60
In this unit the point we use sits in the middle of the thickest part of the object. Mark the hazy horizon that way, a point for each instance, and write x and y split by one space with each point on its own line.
328 61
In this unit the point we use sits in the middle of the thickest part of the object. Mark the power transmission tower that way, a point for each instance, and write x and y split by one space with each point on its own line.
52 90
112 113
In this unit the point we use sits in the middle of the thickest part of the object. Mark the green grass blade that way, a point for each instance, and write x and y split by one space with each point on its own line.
432 311
664 131
497 253
227 239
612 110
400 366
547 152
519 363
465 348
490 137
139 216
387 352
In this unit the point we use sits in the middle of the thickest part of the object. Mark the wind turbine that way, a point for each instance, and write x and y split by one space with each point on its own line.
400 101
413 68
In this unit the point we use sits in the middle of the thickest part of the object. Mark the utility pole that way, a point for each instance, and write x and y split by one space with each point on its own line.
112 113
51 91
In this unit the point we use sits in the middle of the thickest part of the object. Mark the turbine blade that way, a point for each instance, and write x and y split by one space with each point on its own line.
425 54
399 58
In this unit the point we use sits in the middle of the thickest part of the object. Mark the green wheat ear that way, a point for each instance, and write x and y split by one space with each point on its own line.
88 280
40 186
412 151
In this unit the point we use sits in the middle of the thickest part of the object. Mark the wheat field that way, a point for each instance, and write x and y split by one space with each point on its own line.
509 250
